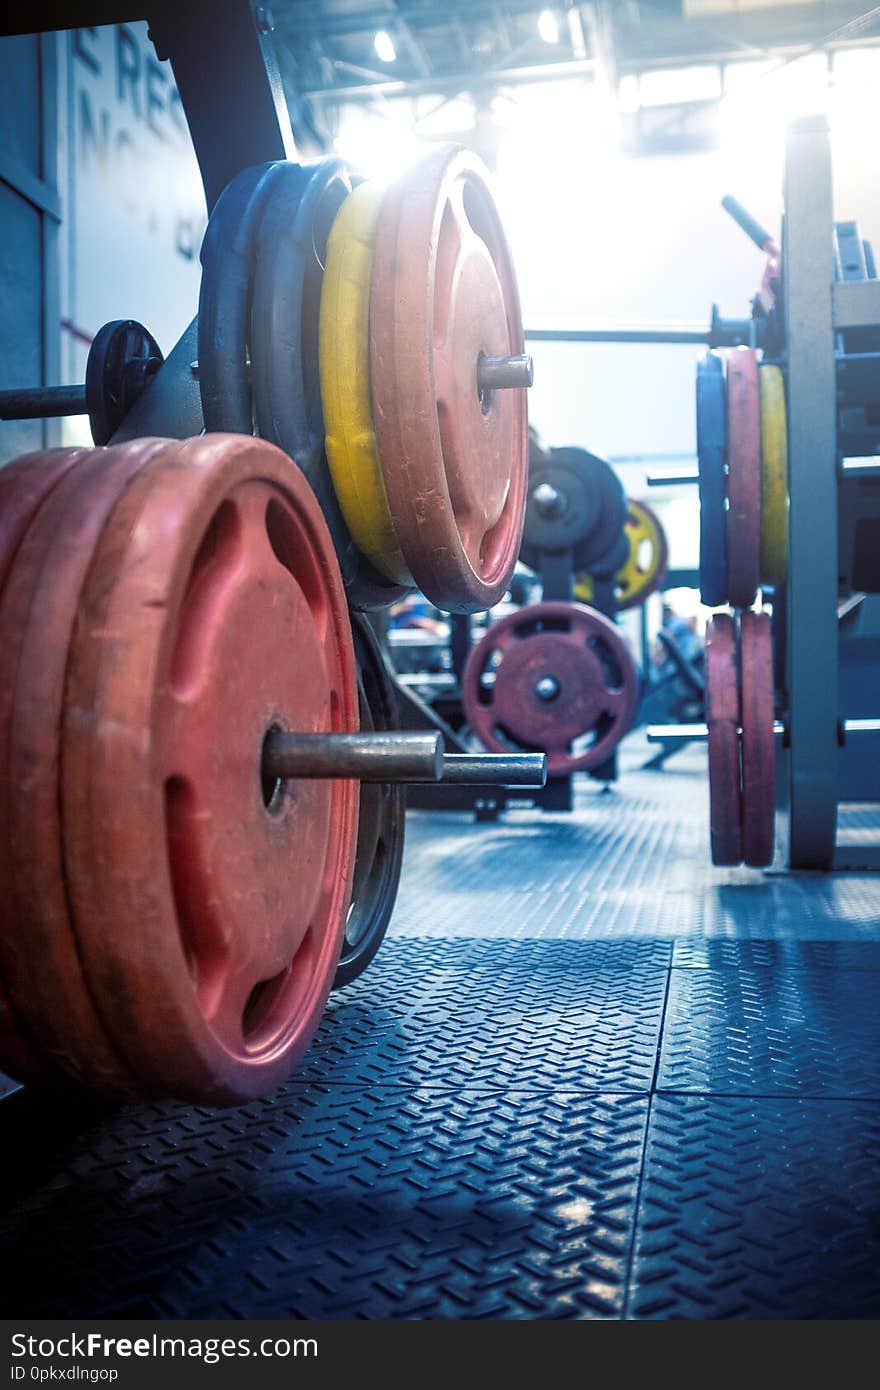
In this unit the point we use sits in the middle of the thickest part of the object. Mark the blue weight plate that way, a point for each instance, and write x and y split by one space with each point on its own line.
291 246
712 457
227 257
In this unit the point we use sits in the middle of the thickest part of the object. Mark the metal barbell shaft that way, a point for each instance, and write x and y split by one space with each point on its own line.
43 402
495 769
375 757
671 479
395 757
699 733
500 373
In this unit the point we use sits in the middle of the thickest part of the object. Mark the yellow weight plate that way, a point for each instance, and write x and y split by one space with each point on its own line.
640 576
774 477
344 349
583 588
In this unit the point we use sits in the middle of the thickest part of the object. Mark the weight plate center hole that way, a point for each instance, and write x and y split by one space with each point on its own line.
271 786
484 393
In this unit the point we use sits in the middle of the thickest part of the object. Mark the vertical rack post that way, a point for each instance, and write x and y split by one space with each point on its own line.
812 657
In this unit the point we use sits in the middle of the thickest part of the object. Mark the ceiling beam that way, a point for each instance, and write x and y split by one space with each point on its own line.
472 80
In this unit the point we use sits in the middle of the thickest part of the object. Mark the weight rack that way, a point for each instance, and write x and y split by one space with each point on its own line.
828 749
816 768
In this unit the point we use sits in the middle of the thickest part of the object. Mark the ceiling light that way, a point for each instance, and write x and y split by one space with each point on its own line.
548 27
384 46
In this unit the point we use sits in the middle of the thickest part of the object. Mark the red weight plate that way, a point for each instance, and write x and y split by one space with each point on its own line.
722 717
758 741
39 953
455 467
24 484
209 906
547 676
744 481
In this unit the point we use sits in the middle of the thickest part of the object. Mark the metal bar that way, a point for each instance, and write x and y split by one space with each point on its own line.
721 332
856 857
43 16
671 479
860 468
658 733
50 251
808 268
672 334
374 757
330 24
224 65
37 191
42 402
675 733
747 223
494 769
454 82
427 680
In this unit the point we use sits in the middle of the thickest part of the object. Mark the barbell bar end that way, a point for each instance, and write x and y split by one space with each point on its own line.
505 373
495 769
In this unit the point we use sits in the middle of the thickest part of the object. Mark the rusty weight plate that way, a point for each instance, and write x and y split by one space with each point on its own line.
553 677
24 485
723 719
744 477
209 903
758 740
454 461
39 955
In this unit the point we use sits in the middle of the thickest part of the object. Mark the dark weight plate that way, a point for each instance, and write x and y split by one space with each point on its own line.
607 565
123 358
575 502
381 821
612 511
291 251
227 257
